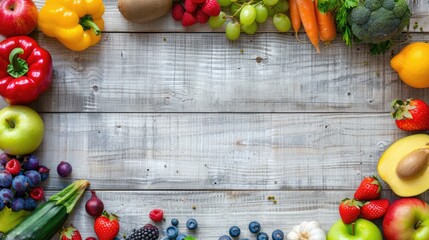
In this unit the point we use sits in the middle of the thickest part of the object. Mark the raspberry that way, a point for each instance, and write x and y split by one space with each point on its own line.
188 19
13 166
190 6
211 8
177 12
37 193
202 17
157 215
199 1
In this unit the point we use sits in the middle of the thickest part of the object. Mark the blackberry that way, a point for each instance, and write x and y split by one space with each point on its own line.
147 232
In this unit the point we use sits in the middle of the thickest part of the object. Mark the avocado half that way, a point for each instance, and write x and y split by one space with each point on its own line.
411 154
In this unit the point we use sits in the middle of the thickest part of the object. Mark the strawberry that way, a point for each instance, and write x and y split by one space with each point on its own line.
211 8
369 189
177 12
411 115
106 226
188 19
374 209
198 1
70 233
349 210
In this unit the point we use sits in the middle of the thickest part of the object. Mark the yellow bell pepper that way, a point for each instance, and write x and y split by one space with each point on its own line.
75 23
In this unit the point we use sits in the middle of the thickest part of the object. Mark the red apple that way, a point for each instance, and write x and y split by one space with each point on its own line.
407 219
18 17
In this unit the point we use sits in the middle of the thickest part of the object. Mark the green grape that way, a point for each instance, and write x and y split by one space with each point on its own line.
235 8
232 30
224 3
217 21
261 13
282 6
250 29
247 15
270 2
271 11
281 22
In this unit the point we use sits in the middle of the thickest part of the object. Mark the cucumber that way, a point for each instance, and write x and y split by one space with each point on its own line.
48 218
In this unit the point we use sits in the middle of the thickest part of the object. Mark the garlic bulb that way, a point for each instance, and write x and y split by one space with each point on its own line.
307 230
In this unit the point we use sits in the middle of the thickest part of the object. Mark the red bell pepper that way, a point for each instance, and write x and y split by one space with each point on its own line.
25 70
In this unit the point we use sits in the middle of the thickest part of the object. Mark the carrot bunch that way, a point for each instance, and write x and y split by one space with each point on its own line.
317 25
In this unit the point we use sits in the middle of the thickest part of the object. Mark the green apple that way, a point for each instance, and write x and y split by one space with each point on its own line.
21 130
361 229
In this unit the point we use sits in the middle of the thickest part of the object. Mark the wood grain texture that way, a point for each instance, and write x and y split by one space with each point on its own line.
204 72
217 211
217 151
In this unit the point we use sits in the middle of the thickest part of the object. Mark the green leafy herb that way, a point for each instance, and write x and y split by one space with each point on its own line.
341 9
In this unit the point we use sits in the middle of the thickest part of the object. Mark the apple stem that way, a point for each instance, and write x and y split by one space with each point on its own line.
17 67
417 225
88 23
353 229
10 122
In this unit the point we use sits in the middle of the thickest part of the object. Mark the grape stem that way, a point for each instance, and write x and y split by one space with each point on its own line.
244 4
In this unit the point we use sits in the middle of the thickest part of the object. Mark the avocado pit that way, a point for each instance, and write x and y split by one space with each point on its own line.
413 164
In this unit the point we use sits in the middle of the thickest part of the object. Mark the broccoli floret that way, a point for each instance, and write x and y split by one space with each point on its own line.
377 21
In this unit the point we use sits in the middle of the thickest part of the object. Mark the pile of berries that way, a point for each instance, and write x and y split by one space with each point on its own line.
255 228
20 182
190 12
366 202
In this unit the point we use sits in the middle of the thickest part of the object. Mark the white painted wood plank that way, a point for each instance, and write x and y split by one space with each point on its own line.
206 73
217 151
217 211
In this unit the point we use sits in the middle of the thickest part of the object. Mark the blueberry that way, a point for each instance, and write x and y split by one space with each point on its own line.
3 159
174 222
192 224
30 204
5 179
234 231
34 178
278 235
30 163
181 236
44 172
172 232
20 183
254 227
1 205
17 204
6 195
225 237
262 236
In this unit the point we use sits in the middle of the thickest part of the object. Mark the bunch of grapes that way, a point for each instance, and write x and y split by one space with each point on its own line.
20 182
246 15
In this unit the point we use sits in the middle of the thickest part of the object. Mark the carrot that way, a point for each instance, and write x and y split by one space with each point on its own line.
308 18
326 25
294 17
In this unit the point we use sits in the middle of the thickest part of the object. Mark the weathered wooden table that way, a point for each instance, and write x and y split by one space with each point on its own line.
161 116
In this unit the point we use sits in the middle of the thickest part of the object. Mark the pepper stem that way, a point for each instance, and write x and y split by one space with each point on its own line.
88 23
17 67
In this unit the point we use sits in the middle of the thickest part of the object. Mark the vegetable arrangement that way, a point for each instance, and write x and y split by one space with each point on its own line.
374 22
49 217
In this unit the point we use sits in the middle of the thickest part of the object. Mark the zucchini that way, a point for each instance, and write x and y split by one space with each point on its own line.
49 217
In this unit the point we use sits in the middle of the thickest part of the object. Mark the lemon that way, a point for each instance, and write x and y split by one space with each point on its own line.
412 64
